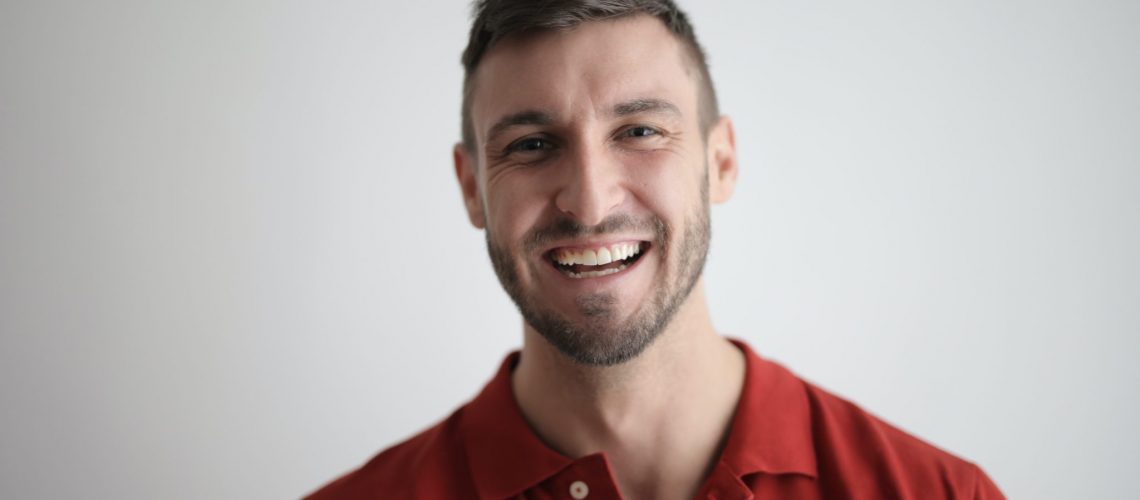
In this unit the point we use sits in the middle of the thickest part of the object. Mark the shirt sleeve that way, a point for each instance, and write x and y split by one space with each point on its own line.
984 487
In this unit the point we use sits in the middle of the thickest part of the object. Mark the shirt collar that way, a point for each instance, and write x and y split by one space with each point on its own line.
770 432
504 455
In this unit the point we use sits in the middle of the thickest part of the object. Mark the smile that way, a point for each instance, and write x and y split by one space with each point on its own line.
598 261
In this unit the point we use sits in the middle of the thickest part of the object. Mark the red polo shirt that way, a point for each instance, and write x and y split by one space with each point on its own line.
789 439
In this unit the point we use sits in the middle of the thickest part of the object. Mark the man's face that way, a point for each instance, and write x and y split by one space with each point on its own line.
590 176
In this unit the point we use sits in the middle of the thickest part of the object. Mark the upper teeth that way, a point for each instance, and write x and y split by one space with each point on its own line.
598 256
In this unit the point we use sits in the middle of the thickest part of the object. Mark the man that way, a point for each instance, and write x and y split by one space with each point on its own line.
592 148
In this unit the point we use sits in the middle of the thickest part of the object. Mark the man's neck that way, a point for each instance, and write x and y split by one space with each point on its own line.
661 418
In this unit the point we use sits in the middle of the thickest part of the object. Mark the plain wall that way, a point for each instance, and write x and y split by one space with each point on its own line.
234 263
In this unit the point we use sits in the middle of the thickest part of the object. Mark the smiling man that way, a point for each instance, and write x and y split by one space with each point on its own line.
592 148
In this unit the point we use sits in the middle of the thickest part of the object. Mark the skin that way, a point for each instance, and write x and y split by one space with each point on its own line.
662 416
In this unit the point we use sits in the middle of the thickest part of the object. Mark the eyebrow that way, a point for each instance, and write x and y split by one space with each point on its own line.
528 117
623 109
648 105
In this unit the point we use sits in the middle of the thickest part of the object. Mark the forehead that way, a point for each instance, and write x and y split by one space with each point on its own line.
583 71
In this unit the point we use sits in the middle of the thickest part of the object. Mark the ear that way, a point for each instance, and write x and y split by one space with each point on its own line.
469 185
722 160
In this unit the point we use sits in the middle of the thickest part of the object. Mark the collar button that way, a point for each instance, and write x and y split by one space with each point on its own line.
579 490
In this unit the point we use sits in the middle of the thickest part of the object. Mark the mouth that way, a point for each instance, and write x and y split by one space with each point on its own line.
597 261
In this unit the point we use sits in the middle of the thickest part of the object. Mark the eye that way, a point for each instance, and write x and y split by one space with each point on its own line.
530 144
640 131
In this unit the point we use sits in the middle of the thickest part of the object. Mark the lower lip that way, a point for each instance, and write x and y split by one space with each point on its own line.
601 279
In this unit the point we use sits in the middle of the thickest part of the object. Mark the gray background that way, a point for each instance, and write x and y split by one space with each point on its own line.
234 263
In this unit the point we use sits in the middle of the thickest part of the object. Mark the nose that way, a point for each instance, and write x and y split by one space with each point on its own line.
591 186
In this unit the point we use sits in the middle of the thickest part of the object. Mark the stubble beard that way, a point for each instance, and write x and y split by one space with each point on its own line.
600 338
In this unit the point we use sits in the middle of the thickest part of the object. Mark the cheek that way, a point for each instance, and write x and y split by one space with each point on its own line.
667 191
511 212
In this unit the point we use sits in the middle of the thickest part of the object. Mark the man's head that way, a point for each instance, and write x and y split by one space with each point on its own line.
589 161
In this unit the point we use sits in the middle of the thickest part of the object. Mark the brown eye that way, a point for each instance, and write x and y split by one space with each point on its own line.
530 144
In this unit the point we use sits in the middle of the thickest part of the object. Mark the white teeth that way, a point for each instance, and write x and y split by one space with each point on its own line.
589 258
604 257
597 257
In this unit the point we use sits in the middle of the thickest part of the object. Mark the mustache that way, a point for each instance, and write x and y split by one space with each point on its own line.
564 228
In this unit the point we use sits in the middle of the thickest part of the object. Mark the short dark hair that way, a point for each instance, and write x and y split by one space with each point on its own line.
497 19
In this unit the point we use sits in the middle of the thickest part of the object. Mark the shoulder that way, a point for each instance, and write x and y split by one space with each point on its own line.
855 448
430 464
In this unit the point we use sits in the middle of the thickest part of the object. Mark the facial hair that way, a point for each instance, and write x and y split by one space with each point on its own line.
601 339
